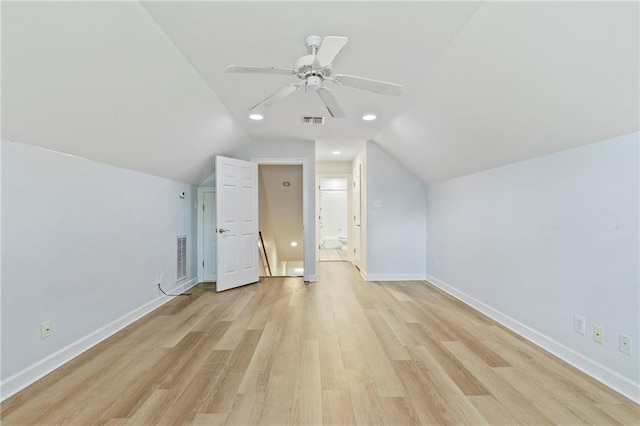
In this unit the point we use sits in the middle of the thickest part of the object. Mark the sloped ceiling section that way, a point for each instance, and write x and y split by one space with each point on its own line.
522 79
102 81
486 83
390 41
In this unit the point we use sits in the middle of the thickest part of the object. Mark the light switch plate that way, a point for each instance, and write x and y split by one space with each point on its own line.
579 325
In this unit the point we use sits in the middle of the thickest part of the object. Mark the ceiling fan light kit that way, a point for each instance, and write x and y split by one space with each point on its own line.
315 68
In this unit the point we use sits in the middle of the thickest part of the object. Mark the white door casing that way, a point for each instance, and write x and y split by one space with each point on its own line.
308 218
209 236
237 221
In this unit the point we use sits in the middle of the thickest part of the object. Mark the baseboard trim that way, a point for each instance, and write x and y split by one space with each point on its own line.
363 274
36 371
599 372
395 277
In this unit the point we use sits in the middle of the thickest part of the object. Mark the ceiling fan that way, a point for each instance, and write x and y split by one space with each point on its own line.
315 68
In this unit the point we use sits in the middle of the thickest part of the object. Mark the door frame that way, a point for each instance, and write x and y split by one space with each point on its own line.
308 254
350 230
200 229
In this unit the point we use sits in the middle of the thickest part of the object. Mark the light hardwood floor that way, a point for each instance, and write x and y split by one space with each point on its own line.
340 351
332 255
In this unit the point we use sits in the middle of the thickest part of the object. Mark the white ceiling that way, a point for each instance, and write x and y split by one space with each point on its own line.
392 42
486 84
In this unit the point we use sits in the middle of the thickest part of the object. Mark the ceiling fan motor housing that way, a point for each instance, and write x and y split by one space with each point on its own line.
313 82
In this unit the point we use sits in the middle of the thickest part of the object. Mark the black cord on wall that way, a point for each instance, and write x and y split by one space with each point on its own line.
167 294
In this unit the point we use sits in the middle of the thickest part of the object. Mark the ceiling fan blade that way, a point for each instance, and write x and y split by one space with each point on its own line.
259 70
279 95
370 85
330 102
329 49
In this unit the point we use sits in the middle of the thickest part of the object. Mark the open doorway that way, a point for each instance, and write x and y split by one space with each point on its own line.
281 230
333 219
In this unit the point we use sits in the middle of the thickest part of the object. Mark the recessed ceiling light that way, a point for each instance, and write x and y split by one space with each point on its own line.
256 116
294 244
335 152
368 117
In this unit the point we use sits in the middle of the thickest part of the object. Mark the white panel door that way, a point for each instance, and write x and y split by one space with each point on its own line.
237 221
209 237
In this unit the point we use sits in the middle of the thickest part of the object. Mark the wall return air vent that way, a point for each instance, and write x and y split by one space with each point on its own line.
313 120
181 258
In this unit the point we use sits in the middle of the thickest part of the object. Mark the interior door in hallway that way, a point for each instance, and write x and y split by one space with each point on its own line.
237 221
210 239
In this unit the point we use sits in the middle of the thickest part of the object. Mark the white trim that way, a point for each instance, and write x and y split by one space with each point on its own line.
395 277
312 278
363 274
200 232
309 251
36 371
350 224
603 374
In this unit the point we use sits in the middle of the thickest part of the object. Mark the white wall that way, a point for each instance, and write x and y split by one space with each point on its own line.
293 149
395 219
82 245
535 242
327 167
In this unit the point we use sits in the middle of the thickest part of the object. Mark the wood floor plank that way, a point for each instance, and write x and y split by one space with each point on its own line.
467 382
518 406
385 378
338 351
456 404
626 413
492 410
246 409
259 368
395 350
332 367
307 402
210 419
364 398
222 400
337 408
352 356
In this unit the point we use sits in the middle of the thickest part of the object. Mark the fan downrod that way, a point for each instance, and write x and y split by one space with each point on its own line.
313 43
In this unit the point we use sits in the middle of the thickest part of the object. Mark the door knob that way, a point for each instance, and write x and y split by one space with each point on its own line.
221 230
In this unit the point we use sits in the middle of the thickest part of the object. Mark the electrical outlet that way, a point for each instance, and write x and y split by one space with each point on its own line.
598 334
624 344
45 329
579 325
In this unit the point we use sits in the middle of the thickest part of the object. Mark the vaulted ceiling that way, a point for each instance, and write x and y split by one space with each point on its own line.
486 83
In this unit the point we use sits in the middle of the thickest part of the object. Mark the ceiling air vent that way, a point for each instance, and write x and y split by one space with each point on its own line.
313 120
